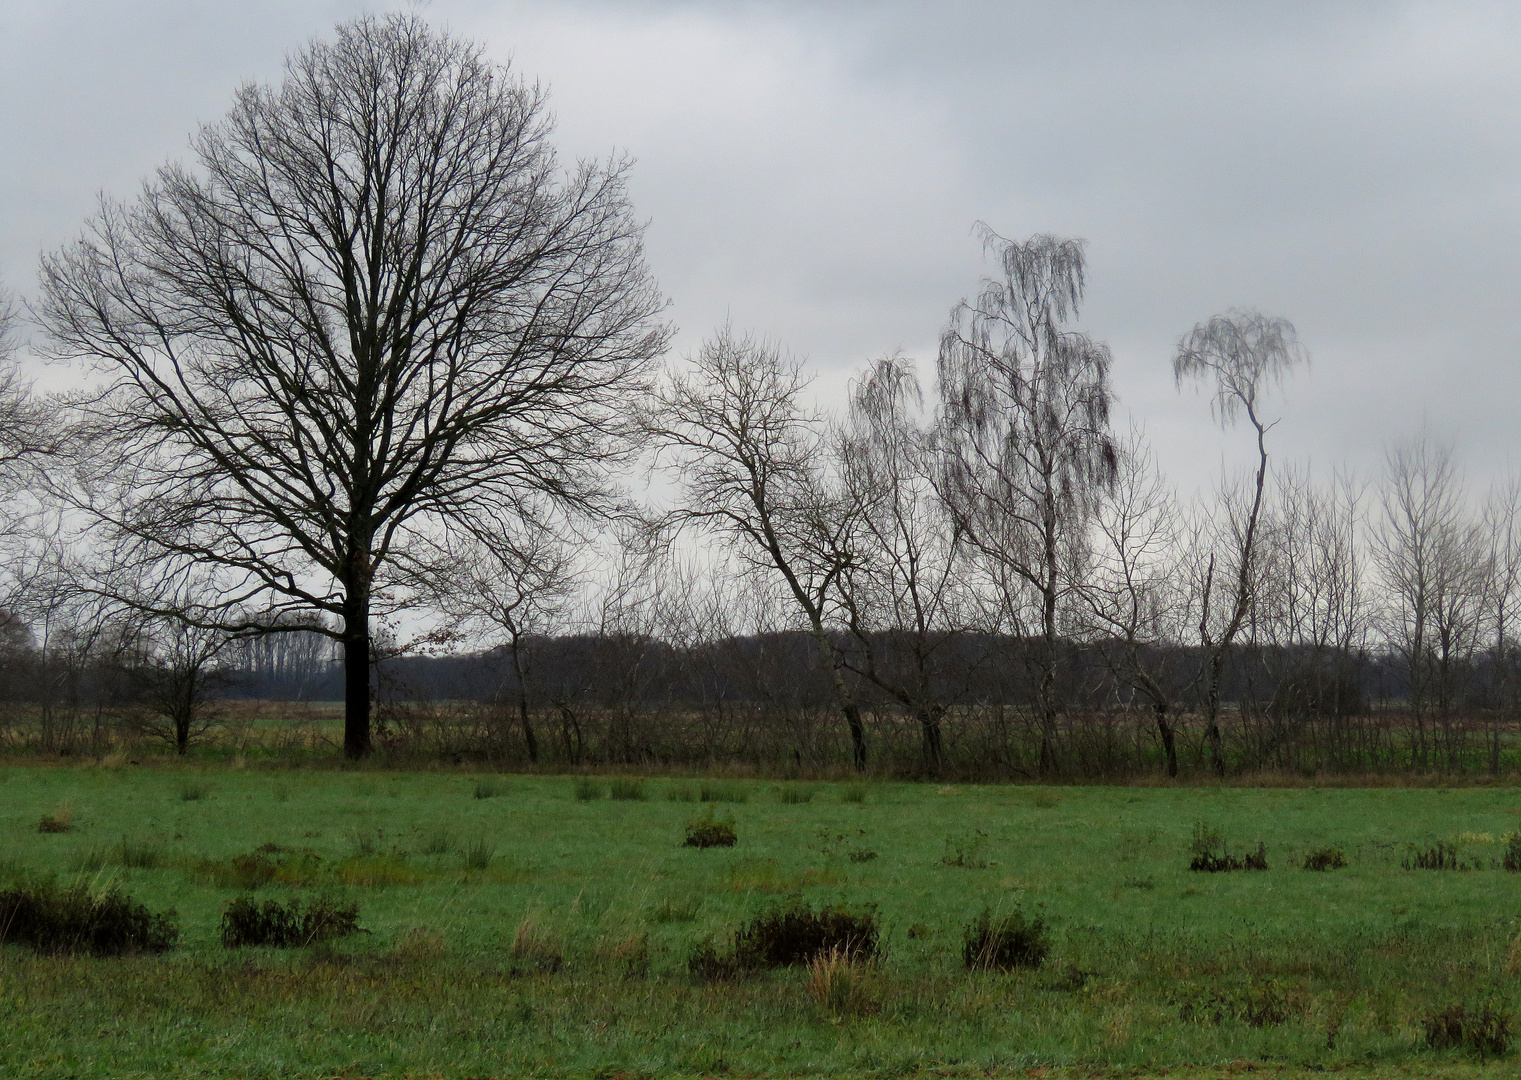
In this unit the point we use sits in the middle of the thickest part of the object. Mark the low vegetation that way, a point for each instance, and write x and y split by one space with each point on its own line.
1006 928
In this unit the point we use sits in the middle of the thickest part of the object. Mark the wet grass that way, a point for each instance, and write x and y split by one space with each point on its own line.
540 931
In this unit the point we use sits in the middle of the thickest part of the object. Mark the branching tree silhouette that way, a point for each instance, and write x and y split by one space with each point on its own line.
751 463
1024 429
1241 354
377 308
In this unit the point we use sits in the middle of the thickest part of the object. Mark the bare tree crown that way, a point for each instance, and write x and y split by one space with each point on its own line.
1243 352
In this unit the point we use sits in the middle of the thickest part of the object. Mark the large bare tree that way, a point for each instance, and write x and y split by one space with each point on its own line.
1024 432
376 308
1240 355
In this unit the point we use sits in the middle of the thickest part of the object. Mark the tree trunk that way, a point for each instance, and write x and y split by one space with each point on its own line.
857 734
356 673
1169 741
528 736
934 752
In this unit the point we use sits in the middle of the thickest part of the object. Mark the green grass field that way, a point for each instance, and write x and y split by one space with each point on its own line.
1151 965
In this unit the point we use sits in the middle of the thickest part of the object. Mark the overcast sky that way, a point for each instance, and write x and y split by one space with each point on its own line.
813 171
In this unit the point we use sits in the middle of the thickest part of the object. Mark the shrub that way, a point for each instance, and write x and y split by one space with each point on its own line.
488 789
1486 1030
60 821
707 831
1210 863
626 791
286 926
536 948
1326 858
72 919
588 790
1002 944
1441 857
793 934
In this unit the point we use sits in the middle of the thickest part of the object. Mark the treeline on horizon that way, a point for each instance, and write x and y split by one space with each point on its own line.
375 373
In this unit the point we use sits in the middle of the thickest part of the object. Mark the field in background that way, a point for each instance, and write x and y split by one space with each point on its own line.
461 877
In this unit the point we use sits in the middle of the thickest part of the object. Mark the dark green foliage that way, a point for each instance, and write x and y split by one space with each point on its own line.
1512 858
588 790
286 926
73 920
1211 863
1326 858
1440 857
792 934
1002 944
706 834
789 935
1485 1031
626 791
488 788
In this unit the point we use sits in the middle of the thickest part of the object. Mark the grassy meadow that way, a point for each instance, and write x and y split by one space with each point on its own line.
536 926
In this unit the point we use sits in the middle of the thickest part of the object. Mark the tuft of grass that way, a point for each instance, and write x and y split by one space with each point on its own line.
626 791
628 955
1484 1030
59 821
841 985
713 791
588 790
489 788
793 795
377 871
967 850
1511 860
707 831
477 853
1005 943
681 793
1326 858
437 842
534 947
131 854
421 944
1441 857
286 926
675 910
76 919
855 793
193 789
